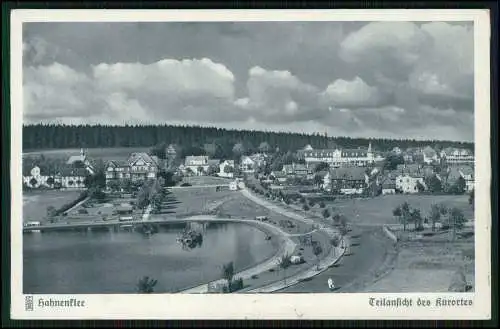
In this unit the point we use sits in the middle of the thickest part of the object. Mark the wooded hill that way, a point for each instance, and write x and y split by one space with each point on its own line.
56 136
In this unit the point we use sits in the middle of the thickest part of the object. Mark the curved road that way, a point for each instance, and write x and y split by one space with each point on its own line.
368 251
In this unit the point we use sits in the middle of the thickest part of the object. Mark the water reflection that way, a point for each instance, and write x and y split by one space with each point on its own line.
113 261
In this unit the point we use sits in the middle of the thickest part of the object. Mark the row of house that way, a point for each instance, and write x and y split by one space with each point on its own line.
427 155
70 175
201 164
355 180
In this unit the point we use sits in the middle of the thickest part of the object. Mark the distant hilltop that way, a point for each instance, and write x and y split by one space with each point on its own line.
57 136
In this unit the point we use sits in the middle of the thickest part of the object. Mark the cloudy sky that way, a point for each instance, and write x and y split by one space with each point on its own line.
358 79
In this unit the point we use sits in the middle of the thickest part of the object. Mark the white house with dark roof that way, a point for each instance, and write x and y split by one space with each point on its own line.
351 180
430 155
193 163
409 182
226 169
83 159
36 177
72 178
247 164
295 169
388 185
467 173
455 156
138 167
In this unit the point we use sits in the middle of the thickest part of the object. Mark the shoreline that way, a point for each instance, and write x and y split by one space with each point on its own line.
283 246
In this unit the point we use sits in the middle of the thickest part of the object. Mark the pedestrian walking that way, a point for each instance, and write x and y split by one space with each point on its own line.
331 285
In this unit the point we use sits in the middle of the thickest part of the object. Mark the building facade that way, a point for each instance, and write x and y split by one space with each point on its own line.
138 167
454 156
338 158
409 183
348 180
226 169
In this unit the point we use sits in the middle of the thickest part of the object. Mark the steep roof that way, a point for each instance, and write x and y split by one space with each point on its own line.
388 183
117 163
300 166
146 157
453 174
73 172
213 162
353 173
467 170
75 158
409 168
429 151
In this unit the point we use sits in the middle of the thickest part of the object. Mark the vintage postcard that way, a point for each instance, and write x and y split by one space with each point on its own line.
250 164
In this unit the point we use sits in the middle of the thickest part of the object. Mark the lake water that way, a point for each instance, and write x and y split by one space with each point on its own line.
113 262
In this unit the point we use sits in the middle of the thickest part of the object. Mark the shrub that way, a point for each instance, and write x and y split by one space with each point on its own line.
322 204
458 282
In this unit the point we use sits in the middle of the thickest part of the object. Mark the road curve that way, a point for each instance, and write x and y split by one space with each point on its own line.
288 247
333 256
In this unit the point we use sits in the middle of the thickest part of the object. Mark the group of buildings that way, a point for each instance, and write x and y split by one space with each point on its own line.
70 175
355 171
348 171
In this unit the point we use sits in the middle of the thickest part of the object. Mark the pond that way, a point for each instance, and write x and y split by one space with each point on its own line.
106 262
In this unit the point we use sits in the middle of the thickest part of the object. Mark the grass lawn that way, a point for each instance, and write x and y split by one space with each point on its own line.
428 266
35 203
206 180
378 210
191 201
106 154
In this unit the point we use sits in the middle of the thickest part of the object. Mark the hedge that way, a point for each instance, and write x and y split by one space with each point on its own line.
73 203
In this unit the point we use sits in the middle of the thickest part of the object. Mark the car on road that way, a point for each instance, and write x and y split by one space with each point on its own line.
261 218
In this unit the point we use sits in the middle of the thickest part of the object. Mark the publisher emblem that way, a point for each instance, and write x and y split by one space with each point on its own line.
28 303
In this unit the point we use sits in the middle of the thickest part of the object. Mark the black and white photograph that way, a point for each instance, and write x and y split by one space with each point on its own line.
233 158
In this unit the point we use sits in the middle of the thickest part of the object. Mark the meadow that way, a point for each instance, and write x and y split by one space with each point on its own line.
378 210
35 203
106 154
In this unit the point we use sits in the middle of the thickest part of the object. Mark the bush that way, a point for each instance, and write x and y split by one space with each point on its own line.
236 285
322 204
458 282
67 206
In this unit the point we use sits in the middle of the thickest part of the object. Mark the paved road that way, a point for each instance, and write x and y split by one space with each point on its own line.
333 256
366 253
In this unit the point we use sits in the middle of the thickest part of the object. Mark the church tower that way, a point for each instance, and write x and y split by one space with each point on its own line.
369 154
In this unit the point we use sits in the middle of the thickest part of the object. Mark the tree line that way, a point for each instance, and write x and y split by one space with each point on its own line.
58 136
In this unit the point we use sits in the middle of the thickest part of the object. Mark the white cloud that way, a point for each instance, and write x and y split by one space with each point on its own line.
182 78
434 59
278 95
383 41
351 93
56 91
